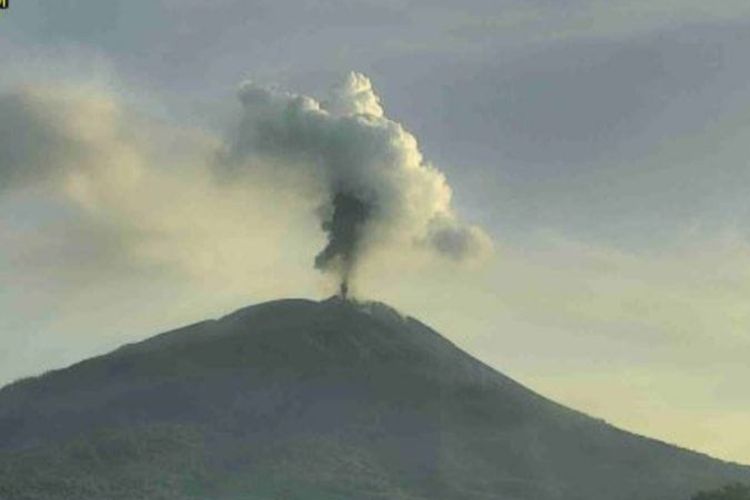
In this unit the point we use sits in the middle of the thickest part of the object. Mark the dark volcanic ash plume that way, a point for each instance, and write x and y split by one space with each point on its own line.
344 229
379 189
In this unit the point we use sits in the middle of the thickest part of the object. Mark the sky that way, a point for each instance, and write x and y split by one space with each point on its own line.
599 148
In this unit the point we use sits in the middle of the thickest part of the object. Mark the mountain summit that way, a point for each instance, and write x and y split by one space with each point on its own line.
333 400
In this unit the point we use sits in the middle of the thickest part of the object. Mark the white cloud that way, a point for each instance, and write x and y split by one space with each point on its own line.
354 150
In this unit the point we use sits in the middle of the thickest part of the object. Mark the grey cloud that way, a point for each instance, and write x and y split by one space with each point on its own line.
456 241
32 144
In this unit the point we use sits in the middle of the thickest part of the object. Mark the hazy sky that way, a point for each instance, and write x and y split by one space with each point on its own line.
601 144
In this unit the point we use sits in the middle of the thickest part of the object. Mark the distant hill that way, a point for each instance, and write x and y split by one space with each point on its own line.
333 400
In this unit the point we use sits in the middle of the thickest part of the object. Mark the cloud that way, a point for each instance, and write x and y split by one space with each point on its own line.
49 134
377 189
354 96
527 23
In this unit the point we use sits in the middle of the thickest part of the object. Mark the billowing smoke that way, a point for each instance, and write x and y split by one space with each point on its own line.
344 230
377 188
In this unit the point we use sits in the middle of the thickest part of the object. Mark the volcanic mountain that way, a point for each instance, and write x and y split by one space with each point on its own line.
333 400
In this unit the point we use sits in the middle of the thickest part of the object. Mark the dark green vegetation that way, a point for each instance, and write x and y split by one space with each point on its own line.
735 491
304 400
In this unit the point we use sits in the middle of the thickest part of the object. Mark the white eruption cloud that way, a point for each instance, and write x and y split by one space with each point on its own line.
377 187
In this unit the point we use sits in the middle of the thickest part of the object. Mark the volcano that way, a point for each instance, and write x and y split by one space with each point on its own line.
304 400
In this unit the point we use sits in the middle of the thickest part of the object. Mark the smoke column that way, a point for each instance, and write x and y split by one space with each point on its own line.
377 186
344 230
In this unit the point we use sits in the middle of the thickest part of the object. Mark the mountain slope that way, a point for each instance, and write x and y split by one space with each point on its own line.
303 400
